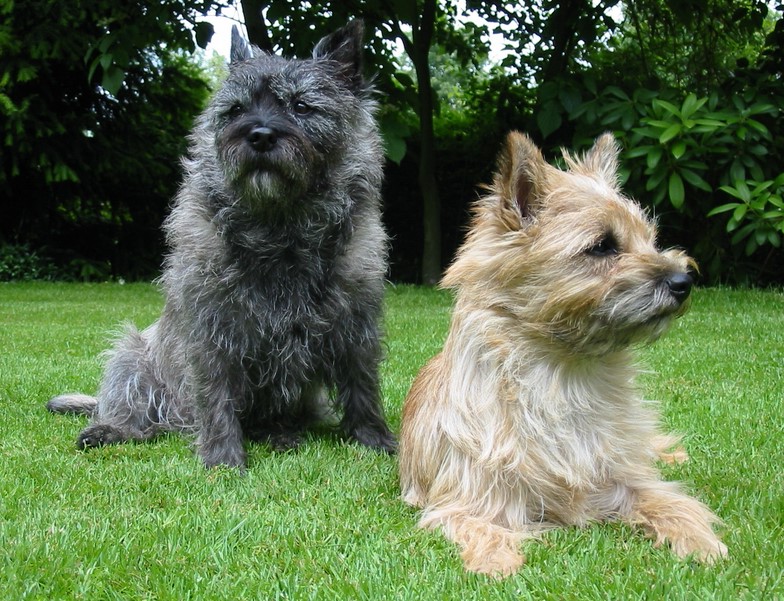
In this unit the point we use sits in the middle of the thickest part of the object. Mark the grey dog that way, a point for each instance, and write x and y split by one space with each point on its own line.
275 279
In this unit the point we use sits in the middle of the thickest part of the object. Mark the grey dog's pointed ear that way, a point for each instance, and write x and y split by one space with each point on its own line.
345 47
240 49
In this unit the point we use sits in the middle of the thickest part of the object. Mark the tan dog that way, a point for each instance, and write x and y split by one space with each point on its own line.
529 417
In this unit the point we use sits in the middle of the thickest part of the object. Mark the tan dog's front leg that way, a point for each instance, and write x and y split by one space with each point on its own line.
668 514
485 547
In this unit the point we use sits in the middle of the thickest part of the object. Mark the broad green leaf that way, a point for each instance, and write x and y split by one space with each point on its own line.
394 148
670 133
695 180
737 171
676 191
691 105
656 178
404 79
761 187
751 246
654 156
723 209
548 119
639 151
742 232
658 123
570 98
762 107
667 106
112 79
743 191
731 191
759 127
710 123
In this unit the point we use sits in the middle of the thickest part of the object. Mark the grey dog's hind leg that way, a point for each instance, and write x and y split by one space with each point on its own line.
130 403
95 435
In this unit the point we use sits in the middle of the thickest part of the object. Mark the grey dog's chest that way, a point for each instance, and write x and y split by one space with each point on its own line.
291 299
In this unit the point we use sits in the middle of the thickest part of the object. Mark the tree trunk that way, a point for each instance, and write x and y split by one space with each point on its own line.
431 249
254 23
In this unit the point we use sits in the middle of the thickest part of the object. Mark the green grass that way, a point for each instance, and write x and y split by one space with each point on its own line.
146 521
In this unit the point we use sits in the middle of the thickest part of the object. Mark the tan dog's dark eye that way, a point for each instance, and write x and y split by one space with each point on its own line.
606 247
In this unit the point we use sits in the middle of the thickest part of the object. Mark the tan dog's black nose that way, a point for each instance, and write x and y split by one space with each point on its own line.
680 285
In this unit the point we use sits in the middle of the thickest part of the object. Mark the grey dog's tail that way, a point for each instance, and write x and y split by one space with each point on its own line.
73 403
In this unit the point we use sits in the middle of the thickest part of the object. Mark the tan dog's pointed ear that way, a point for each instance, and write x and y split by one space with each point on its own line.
602 159
520 176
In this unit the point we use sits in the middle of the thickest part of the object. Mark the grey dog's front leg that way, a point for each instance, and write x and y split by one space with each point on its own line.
360 396
220 440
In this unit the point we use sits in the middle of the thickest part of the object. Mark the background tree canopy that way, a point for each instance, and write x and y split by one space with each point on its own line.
96 99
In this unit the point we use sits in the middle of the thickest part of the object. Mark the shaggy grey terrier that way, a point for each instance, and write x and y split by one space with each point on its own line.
275 279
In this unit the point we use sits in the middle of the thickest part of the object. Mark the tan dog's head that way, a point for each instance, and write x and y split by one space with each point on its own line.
568 255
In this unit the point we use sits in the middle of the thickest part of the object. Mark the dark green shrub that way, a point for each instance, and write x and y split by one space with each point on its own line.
20 262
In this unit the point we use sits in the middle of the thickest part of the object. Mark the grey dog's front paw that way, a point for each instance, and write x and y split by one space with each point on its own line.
97 436
228 455
376 437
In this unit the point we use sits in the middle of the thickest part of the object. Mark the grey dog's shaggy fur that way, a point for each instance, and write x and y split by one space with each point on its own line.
274 282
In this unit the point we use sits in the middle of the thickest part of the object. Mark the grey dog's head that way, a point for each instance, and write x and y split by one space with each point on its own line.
283 127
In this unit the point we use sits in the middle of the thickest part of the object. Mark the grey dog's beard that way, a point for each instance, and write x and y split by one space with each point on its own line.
266 184
269 186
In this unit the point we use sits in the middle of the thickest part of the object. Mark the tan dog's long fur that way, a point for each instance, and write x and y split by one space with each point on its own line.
529 418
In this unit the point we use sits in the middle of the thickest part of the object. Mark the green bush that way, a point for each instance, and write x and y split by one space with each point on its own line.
758 213
18 262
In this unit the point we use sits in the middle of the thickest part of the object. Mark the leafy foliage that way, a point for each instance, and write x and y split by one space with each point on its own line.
95 101
18 262
758 213
88 169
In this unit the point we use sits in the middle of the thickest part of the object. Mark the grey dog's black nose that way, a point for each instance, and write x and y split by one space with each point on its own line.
680 285
262 139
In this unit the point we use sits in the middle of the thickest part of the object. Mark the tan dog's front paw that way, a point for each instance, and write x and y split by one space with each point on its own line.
707 551
501 563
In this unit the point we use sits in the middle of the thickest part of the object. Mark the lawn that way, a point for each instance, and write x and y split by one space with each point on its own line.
146 521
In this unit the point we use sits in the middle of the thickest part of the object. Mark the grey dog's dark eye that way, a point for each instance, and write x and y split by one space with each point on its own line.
606 247
302 108
236 110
